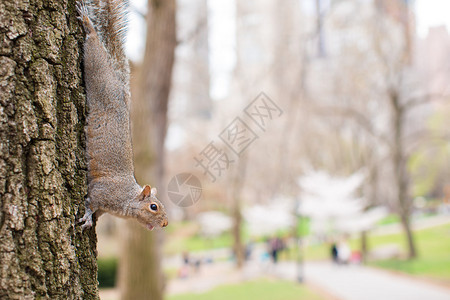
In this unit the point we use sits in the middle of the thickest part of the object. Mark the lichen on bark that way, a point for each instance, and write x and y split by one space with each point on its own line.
43 252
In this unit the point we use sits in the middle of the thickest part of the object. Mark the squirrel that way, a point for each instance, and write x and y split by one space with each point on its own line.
112 186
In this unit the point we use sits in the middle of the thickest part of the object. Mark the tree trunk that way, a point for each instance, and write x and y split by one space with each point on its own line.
363 246
141 274
140 269
43 251
236 206
238 247
401 174
412 252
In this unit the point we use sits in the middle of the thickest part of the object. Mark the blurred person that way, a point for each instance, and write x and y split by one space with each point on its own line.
186 258
197 264
276 245
183 272
249 249
334 253
343 252
356 257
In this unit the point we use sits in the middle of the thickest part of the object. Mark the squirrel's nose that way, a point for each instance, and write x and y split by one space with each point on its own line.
165 223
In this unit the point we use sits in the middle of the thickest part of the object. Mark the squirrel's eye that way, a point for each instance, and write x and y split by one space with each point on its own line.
153 207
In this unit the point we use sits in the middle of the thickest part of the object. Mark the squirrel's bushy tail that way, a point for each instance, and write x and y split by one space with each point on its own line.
110 20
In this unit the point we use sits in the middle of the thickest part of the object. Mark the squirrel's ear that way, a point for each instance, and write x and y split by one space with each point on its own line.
145 192
153 192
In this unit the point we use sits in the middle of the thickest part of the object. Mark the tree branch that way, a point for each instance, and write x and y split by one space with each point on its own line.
357 116
423 99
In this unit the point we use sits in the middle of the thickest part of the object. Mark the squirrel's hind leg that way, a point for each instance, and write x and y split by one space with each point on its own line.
87 218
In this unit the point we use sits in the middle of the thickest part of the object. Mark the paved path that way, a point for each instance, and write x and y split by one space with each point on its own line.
339 282
356 282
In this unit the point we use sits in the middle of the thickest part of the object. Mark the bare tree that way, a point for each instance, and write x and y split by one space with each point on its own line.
387 101
43 251
140 269
394 73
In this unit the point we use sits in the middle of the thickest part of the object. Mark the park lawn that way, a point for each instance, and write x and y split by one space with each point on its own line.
183 236
433 246
263 289
433 249
390 219
196 243
317 252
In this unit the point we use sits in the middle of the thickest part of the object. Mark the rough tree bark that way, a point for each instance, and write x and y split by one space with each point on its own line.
43 252
140 269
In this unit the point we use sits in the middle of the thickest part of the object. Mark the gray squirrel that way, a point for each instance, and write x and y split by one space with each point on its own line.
112 187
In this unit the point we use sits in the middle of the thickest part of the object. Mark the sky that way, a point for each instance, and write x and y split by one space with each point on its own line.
431 13
222 45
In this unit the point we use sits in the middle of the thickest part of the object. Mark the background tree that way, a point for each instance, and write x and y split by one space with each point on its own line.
43 251
378 99
140 269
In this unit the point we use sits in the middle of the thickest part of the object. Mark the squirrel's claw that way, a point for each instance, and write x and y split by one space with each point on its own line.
87 218
87 224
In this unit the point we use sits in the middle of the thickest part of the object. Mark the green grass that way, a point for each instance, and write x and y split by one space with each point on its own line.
184 236
191 241
390 219
254 290
433 248
196 243
433 253
317 252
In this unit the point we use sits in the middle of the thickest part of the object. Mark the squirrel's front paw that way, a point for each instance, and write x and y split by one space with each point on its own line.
87 224
87 219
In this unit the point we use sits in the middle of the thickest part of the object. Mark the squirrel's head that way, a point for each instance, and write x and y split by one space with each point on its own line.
152 212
